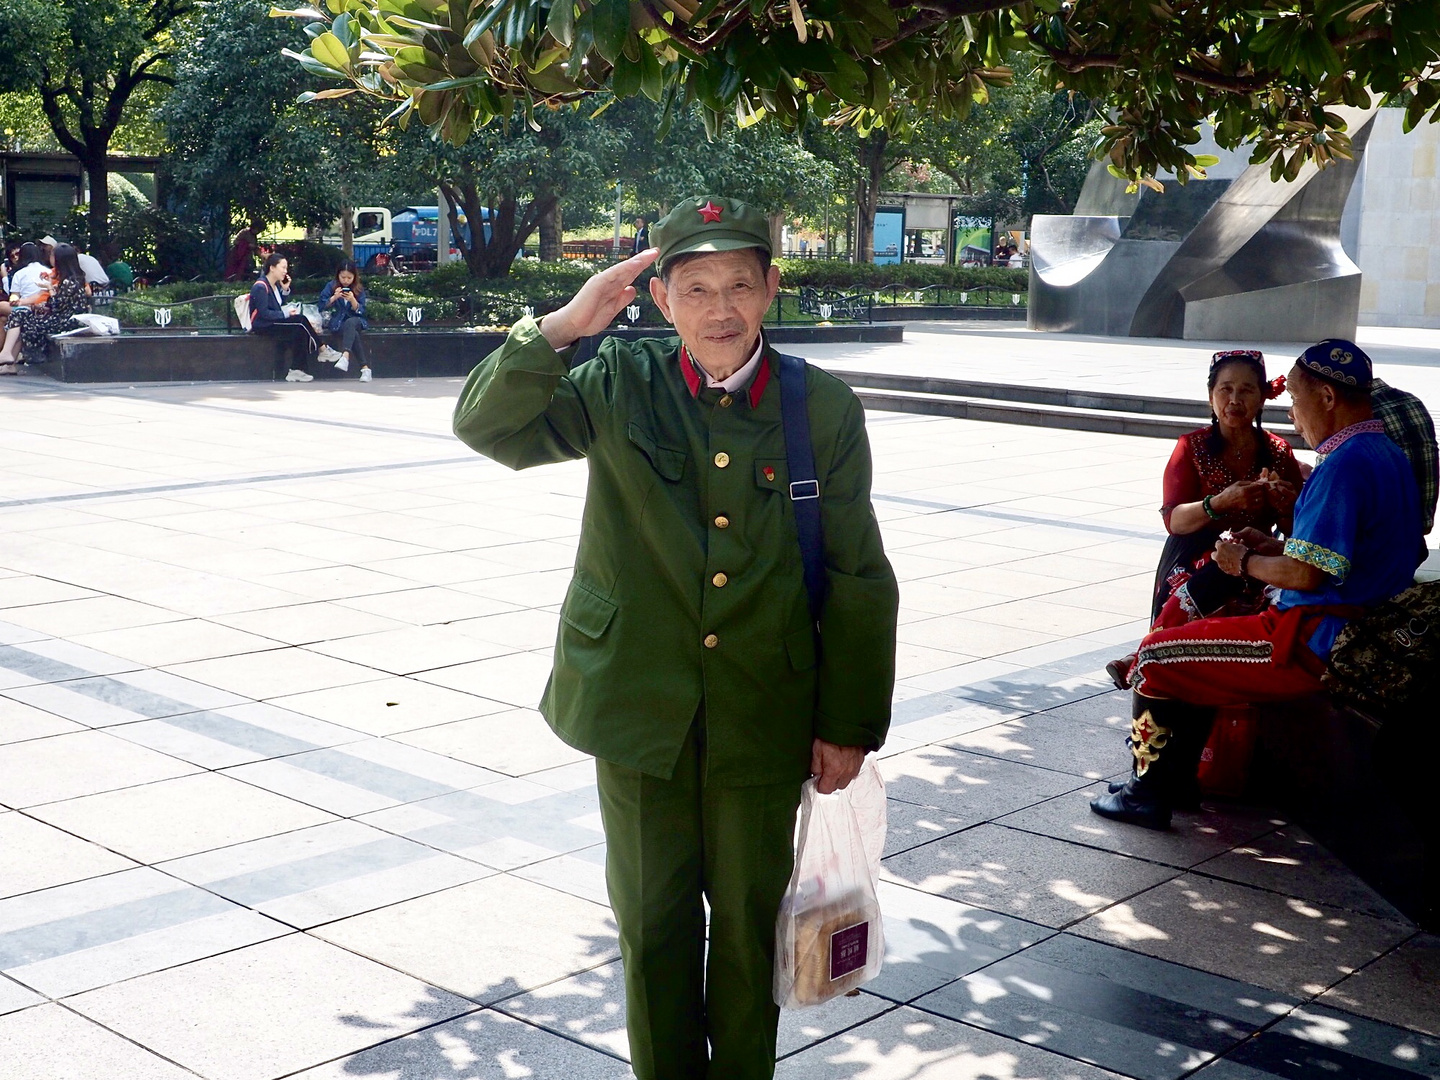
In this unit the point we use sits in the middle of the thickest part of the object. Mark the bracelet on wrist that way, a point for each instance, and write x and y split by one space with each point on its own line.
1210 510
1245 563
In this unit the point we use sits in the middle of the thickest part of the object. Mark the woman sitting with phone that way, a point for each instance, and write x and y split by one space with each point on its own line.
344 299
268 297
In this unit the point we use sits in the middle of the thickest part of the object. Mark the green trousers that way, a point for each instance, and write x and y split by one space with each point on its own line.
669 843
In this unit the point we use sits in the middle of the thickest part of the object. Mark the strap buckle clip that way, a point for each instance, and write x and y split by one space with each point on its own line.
804 489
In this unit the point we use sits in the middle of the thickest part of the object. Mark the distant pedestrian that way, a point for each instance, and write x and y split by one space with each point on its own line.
240 261
30 280
121 274
94 273
1410 427
30 327
642 236
7 269
268 297
344 299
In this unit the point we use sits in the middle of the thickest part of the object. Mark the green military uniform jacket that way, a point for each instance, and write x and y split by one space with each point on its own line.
688 587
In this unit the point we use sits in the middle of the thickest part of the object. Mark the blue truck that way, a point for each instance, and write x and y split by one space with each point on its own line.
412 234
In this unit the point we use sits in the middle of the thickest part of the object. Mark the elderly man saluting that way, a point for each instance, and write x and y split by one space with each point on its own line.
688 661
1356 541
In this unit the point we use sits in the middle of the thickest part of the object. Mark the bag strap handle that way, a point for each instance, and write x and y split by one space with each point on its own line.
804 485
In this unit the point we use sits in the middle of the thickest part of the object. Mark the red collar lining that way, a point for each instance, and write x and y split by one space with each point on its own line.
694 383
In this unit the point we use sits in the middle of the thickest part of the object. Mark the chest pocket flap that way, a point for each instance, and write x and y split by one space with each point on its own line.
666 461
772 475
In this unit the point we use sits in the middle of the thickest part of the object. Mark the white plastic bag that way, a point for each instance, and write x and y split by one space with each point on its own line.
829 938
96 325
312 316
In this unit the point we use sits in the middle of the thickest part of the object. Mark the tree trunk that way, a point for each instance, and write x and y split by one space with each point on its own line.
867 191
97 172
347 230
552 247
491 258
777 225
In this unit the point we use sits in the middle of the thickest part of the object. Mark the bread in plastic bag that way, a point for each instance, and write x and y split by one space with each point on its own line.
829 938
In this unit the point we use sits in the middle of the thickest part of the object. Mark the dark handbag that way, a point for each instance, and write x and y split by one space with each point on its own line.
1210 589
1386 659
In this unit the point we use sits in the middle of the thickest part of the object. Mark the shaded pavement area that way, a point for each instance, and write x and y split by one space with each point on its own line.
275 801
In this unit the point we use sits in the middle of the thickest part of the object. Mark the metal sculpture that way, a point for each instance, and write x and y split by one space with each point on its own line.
1246 258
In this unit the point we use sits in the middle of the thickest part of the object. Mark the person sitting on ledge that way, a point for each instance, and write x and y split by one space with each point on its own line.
1408 424
1232 474
344 298
1356 541
268 297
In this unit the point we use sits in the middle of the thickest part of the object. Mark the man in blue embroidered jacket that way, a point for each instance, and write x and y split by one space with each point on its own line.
1356 541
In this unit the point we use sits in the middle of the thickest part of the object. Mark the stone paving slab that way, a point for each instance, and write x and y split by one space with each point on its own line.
1271 940
1051 882
1139 1017
51 1040
274 798
907 1044
268 1010
486 1045
1402 987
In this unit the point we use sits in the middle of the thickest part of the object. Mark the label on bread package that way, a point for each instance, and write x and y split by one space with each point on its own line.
849 949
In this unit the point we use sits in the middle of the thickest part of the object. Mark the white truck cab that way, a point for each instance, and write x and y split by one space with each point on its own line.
372 225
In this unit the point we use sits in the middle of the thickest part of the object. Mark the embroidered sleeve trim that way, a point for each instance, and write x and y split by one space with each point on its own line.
1332 562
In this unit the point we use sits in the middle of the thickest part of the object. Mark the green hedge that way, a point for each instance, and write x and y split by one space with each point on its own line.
545 286
834 274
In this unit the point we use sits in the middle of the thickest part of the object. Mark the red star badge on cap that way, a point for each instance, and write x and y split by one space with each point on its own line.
709 212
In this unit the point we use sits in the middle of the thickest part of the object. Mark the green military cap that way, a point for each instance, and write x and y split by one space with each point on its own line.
709 223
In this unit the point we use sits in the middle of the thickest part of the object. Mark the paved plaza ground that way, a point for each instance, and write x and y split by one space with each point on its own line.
274 800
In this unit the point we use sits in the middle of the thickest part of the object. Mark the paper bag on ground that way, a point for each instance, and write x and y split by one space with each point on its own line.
828 937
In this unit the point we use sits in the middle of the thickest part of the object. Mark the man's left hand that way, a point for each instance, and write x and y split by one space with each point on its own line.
1229 555
834 766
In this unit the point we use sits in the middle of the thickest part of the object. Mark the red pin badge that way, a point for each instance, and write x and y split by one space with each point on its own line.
709 212
769 472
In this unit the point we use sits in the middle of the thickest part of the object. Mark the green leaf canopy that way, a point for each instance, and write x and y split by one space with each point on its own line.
1265 71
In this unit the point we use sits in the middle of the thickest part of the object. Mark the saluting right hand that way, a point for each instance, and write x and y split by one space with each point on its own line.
597 303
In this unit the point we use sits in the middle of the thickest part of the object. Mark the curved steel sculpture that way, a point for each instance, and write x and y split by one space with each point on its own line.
1244 258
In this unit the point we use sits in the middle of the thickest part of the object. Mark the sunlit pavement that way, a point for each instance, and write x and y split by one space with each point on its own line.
274 800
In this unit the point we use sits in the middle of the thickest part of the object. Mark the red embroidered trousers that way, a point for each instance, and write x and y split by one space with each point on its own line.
1235 660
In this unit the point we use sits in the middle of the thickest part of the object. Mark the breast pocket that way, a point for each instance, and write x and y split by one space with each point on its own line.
772 475
665 460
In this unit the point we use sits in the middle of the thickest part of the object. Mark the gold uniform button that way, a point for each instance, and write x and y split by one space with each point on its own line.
722 522
725 401
722 459
719 581
711 641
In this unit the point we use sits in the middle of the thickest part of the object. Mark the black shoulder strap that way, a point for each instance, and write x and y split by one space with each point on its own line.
804 485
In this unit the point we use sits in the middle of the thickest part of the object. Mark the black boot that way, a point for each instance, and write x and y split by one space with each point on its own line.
1187 793
1119 671
1166 741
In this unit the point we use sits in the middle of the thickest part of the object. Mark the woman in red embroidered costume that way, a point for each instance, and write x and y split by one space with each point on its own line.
1230 475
